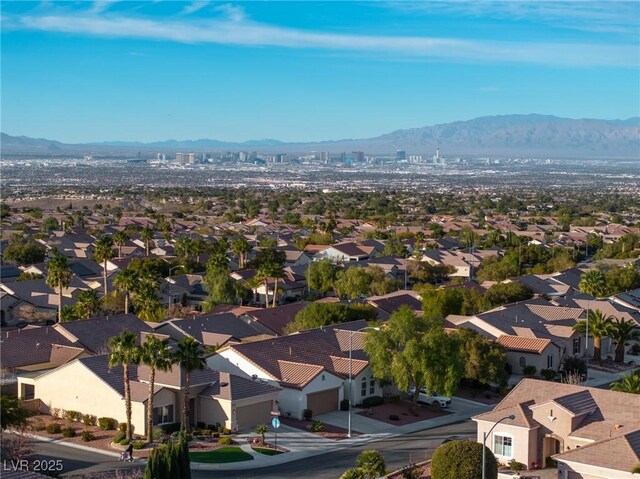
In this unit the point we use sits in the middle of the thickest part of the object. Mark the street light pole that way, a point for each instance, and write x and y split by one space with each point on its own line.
586 346
375 328
484 444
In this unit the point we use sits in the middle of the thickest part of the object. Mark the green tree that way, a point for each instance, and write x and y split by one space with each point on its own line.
262 430
439 303
125 352
88 304
217 283
59 276
599 325
593 282
628 383
458 459
120 238
103 252
505 293
321 275
13 413
621 279
145 299
154 353
147 236
23 252
485 361
268 263
189 357
371 463
415 352
241 247
316 315
169 461
620 332
394 247
126 281
353 473
352 282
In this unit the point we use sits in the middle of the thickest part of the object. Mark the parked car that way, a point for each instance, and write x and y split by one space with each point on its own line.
425 397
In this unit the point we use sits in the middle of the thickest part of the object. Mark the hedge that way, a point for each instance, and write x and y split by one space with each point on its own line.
458 459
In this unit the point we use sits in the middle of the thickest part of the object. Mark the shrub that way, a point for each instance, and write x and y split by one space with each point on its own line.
371 463
89 420
548 374
125 442
634 350
394 417
39 426
121 436
225 441
529 370
207 432
550 462
411 471
456 459
307 414
372 401
139 444
516 466
226 431
200 425
55 412
122 427
54 428
87 436
68 432
344 405
107 423
170 427
317 426
157 433
72 415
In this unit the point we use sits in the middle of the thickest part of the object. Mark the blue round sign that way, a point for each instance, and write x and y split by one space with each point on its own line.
275 422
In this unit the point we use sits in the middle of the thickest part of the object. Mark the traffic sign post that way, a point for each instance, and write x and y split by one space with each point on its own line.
275 422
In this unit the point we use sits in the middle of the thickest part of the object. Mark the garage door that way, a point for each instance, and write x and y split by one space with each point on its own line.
325 401
248 417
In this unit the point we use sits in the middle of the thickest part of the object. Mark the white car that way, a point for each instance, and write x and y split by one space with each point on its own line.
425 398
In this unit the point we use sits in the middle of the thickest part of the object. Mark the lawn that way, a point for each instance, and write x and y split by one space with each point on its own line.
267 451
223 454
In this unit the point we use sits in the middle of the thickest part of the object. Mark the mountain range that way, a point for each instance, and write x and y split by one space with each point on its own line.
506 135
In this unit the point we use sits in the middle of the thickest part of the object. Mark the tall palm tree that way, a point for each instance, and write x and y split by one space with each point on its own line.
240 246
148 307
599 326
120 238
593 282
59 276
104 252
622 331
183 247
189 357
125 351
146 236
126 281
154 353
628 383
88 303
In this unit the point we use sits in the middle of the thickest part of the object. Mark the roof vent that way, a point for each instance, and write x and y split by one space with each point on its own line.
254 376
224 384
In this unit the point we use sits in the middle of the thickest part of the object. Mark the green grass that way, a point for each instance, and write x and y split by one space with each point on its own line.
267 451
224 454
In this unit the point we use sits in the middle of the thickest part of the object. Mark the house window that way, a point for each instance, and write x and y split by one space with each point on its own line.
502 445
523 362
550 361
163 414
363 387
372 386
576 346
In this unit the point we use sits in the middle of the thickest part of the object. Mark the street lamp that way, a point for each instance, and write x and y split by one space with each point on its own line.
170 270
375 328
484 443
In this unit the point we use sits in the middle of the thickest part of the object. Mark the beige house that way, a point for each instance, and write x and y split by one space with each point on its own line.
555 420
89 386
522 351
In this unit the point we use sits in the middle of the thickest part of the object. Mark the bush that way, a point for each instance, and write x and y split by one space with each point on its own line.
87 436
68 432
307 414
516 466
344 405
548 374
107 423
225 441
634 350
207 432
529 370
394 417
170 427
89 420
372 401
226 431
550 462
457 459
317 426
157 433
39 426
54 428
200 425
121 436
55 412
122 427
139 444
411 471
72 415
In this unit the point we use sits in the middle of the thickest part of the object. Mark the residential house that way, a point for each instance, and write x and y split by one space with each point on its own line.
346 252
541 353
272 321
549 419
389 303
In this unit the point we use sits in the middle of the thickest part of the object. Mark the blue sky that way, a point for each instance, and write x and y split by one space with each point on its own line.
307 71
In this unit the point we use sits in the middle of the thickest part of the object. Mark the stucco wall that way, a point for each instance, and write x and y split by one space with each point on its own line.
521 450
571 470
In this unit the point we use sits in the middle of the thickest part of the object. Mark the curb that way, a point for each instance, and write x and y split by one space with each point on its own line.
60 442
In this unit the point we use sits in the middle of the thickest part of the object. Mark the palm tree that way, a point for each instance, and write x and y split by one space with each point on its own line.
593 282
599 326
59 276
183 247
262 430
622 331
628 383
240 246
148 307
154 353
371 463
126 281
146 236
125 351
120 238
189 358
88 303
104 252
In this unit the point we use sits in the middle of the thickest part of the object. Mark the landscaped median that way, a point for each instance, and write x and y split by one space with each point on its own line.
221 455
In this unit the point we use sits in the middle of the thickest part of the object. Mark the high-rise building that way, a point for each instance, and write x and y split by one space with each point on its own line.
179 158
358 156
324 157
401 155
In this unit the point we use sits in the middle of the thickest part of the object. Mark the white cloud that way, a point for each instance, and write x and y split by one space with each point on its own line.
234 29
194 7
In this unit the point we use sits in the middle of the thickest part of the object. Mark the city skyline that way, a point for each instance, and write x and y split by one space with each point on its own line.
308 71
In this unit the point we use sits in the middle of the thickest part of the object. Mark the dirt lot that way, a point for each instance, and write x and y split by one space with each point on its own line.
401 409
330 431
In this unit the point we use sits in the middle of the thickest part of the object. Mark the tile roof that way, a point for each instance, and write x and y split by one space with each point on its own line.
38 345
523 344
234 388
204 328
277 318
621 453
